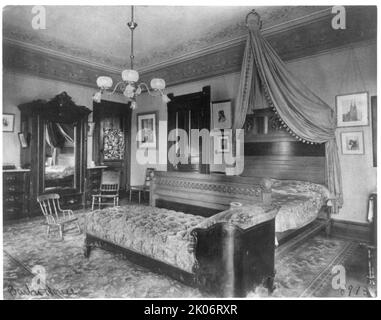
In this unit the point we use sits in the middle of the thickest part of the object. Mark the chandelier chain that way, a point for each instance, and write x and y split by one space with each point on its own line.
132 26
129 84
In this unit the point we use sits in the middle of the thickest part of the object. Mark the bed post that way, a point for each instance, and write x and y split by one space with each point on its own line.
266 185
328 227
152 187
87 246
331 208
231 261
218 254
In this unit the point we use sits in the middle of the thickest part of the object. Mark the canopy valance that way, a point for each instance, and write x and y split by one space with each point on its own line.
303 114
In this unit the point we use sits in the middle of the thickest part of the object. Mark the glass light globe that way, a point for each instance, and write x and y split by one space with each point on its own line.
165 98
104 82
130 75
158 84
129 92
97 97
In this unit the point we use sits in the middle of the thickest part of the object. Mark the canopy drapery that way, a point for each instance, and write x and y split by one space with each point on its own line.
302 113
57 134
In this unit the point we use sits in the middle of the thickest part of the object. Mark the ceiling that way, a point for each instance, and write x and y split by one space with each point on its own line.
99 33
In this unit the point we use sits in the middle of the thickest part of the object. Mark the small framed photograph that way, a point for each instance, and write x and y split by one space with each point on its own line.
352 142
223 144
8 122
352 109
23 140
222 114
147 130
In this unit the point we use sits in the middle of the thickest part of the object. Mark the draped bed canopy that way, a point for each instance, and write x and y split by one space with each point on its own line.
58 133
264 77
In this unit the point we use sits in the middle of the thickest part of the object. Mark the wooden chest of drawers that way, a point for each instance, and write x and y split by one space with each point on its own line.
15 194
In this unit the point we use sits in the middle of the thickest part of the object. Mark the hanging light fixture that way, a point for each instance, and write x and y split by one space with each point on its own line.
130 77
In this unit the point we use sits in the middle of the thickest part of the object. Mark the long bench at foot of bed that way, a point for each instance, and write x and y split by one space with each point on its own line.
224 255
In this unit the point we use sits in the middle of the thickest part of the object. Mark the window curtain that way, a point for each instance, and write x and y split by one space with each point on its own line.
303 114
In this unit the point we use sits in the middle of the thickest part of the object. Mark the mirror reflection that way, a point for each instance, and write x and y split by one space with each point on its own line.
59 156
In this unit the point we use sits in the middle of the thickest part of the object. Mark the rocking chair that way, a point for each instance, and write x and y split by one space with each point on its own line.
55 216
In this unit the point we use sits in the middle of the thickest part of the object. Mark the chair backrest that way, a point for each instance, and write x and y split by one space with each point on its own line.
110 181
50 206
148 177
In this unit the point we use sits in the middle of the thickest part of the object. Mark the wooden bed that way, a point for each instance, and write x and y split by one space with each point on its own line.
231 260
221 270
277 155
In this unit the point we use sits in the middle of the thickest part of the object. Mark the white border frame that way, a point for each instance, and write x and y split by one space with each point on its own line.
339 113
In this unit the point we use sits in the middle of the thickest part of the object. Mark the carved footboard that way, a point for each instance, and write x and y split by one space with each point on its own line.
232 261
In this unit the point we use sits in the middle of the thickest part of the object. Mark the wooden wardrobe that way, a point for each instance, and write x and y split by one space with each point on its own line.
55 149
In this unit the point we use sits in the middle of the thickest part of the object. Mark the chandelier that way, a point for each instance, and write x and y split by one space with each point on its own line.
129 84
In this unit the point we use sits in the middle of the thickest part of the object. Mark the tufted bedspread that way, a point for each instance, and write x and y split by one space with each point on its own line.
299 203
158 233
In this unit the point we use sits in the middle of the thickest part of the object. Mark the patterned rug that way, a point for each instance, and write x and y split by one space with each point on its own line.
32 262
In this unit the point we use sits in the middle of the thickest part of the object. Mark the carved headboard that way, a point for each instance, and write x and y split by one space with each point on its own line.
204 194
285 160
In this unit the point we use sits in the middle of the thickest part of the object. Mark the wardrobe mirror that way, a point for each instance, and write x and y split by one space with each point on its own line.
59 151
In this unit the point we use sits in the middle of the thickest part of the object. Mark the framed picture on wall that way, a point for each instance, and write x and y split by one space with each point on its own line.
23 140
147 130
222 114
352 142
352 109
8 122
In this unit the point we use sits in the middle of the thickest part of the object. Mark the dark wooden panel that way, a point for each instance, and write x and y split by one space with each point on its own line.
298 163
286 167
353 230
189 111
290 148
186 208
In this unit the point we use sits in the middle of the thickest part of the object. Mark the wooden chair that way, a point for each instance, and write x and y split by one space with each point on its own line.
144 187
55 216
109 189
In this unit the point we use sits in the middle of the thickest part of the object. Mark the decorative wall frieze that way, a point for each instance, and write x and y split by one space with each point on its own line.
29 60
293 40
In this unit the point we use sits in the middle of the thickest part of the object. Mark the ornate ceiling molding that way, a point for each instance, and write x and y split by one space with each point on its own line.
50 65
295 39
240 41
